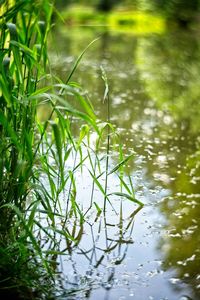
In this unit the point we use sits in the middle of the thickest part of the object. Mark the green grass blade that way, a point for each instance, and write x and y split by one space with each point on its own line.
78 61
122 163
58 142
8 128
131 198
29 235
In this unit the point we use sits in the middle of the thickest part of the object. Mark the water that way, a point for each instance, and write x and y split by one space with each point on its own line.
154 90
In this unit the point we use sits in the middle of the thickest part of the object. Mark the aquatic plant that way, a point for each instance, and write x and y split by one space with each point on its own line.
40 160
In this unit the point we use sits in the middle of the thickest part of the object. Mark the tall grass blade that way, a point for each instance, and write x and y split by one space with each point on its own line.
124 195
78 61
120 164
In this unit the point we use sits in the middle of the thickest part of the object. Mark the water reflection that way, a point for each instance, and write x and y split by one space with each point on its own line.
154 85
180 244
170 69
93 258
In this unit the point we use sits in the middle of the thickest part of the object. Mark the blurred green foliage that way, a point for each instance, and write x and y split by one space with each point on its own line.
175 85
182 12
102 5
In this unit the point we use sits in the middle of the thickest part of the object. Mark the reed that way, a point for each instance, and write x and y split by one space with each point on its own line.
38 181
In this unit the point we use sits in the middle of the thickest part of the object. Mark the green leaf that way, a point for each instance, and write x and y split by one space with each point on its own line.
98 184
123 162
99 210
41 91
24 48
58 142
13 136
5 90
29 234
78 60
131 198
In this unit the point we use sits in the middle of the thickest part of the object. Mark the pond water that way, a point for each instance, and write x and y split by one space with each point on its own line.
154 84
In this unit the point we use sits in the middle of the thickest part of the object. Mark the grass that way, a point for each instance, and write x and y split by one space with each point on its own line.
41 161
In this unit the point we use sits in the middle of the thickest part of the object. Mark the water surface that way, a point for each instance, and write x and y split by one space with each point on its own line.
154 86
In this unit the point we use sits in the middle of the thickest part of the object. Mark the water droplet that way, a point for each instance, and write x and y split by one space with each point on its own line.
174 280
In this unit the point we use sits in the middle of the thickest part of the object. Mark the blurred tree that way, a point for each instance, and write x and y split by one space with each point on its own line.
182 11
63 3
106 5
102 5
